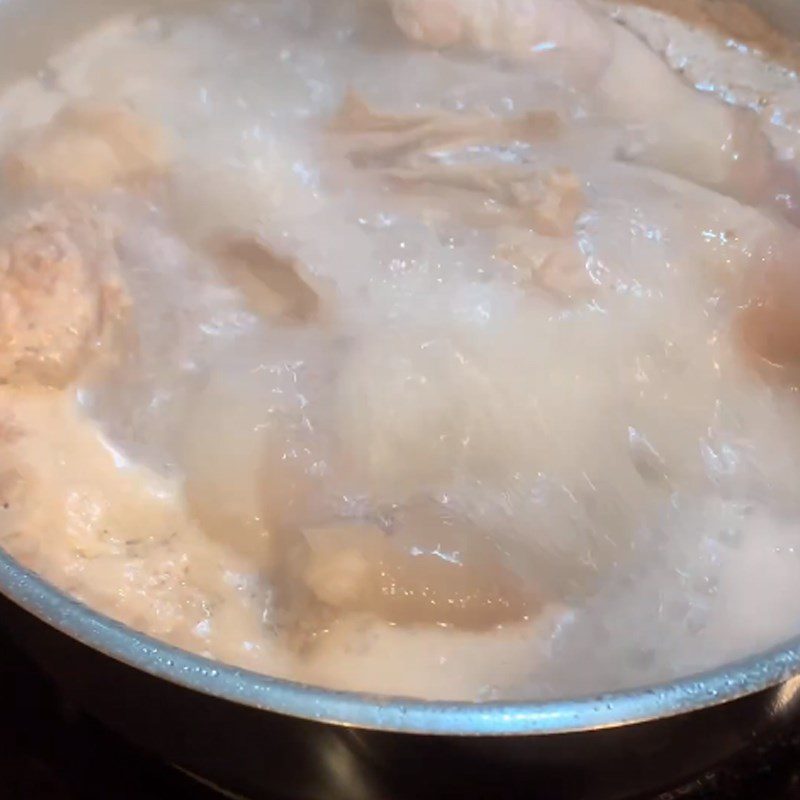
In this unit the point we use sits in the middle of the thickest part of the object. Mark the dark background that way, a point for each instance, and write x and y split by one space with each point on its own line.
50 751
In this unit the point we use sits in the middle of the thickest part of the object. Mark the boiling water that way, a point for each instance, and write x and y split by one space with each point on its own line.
578 396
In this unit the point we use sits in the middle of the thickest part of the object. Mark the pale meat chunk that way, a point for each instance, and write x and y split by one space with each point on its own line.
404 151
432 569
549 202
59 292
88 146
512 27
247 445
375 138
681 130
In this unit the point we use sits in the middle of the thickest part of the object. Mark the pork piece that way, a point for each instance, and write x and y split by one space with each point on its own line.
533 217
223 454
259 479
680 130
549 202
433 568
510 27
558 268
250 452
404 150
375 138
558 204
743 257
60 292
274 285
88 146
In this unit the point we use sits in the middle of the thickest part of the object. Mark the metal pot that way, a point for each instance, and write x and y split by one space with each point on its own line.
262 737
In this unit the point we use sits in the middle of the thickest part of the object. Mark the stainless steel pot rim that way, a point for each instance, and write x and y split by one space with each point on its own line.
180 667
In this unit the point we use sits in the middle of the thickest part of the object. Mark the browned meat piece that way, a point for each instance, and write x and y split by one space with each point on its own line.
401 150
548 203
516 28
432 569
558 205
88 146
559 268
59 291
274 285
374 138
